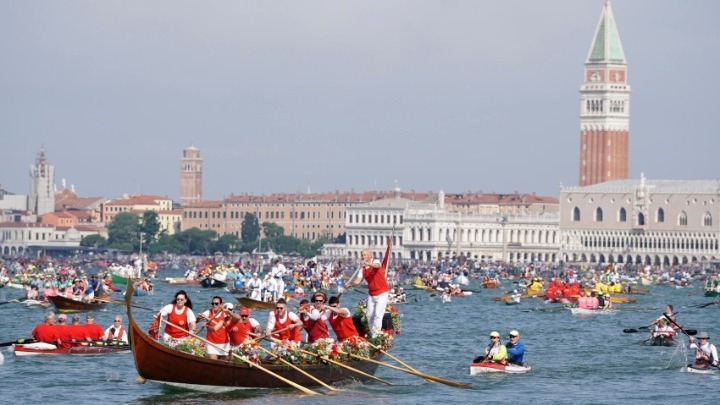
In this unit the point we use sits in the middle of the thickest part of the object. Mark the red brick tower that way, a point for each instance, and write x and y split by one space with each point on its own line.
604 107
190 176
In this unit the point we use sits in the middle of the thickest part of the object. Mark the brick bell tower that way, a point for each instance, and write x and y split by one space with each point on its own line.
190 176
604 107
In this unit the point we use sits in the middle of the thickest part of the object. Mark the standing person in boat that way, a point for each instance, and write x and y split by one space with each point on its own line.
216 332
495 351
283 324
116 333
180 313
313 318
255 285
515 348
373 271
340 319
241 326
705 352
276 273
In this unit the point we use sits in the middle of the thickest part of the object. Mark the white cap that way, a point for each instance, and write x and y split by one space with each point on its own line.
228 305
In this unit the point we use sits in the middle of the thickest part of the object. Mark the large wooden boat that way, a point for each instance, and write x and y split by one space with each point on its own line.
255 304
159 363
67 305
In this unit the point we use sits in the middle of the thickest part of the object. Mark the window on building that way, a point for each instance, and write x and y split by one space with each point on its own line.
598 215
576 214
622 215
707 219
660 217
641 219
682 219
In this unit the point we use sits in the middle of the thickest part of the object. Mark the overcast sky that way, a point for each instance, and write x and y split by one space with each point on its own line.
286 96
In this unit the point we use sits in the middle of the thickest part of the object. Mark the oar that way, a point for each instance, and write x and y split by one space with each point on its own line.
9 302
687 332
337 363
19 342
394 358
639 329
317 380
122 303
249 363
425 376
705 305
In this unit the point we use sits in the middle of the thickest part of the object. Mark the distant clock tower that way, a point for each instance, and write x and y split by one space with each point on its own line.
190 176
604 107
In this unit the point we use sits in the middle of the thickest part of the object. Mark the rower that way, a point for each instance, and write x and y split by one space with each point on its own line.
705 352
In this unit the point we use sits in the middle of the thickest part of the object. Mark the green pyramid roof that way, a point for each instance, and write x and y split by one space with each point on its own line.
606 46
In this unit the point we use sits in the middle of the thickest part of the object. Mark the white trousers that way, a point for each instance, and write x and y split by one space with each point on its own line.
376 305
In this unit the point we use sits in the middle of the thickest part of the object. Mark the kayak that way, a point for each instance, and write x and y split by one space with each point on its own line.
490 367
701 369
587 311
660 341
31 349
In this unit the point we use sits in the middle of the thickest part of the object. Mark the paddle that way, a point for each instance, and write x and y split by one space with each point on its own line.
249 363
123 303
687 332
19 342
705 305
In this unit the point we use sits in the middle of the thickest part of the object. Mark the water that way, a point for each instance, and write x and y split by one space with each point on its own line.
575 359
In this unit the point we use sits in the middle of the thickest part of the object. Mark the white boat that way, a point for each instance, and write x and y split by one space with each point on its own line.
490 367
692 368
586 311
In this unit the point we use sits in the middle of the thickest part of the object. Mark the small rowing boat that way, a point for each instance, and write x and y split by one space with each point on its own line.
255 304
209 282
492 367
660 340
39 348
67 305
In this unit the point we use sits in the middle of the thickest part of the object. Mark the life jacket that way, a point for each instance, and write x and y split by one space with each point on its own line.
238 331
377 284
117 336
343 327
179 320
316 329
287 334
216 336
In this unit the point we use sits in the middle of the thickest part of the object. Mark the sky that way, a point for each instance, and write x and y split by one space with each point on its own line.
297 96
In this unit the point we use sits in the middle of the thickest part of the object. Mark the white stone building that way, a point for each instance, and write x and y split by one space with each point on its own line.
658 222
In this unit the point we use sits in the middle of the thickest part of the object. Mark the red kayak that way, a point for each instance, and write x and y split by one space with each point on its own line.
31 349
492 367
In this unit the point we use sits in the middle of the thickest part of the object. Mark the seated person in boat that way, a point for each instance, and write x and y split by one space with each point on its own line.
607 304
241 326
116 332
179 312
705 352
515 348
91 330
33 293
313 319
216 332
77 289
46 331
495 351
340 319
283 324
669 313
664 330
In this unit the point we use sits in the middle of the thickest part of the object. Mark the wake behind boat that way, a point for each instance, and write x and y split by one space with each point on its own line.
588 311
492 367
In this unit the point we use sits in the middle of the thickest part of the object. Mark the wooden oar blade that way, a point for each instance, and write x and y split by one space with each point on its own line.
691 332
19 341
630 330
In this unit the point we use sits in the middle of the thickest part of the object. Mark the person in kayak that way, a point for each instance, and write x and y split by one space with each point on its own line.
705 352
664 330
515 348
495 352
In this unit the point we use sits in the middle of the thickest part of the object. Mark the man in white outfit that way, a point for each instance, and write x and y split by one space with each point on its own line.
276 275
255 285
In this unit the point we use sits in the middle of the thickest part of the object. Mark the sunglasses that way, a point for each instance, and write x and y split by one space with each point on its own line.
117 320
511 336
318 300
216 303
243 316
279 307
494 337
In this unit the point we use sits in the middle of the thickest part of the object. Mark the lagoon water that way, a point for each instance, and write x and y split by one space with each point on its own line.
575 359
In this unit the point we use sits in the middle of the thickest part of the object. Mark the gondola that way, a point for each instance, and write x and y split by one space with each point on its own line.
67 305
159 363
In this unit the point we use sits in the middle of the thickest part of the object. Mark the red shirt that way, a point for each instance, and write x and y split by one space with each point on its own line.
179 320
343 326
215 336
377 284
45 333
315 329
287 334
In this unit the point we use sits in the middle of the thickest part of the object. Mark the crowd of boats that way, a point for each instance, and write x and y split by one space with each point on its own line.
582 290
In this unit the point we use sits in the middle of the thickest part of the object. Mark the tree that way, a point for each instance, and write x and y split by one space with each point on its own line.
95 241
272 230
196 241
167 243
150 226
226 243
123 231
250 228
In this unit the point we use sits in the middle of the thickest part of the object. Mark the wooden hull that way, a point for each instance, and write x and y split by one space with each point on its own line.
255 304
490 284
31 350
160 363
67 305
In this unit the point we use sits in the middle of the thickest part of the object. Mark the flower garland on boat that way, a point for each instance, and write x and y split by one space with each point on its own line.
189 345
247 350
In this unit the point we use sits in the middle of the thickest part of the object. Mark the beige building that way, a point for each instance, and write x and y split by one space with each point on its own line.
659 222
169 218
